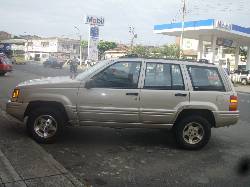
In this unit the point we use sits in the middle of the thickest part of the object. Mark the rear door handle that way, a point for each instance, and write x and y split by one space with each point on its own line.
135 94
180 95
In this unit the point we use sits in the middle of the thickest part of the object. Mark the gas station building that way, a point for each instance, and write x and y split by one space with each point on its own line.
215 32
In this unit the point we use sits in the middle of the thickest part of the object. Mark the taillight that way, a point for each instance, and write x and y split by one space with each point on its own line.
233 105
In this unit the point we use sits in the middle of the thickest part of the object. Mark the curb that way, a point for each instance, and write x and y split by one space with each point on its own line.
14 173
242 92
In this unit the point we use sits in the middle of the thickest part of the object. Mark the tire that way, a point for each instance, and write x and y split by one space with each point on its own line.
184 127
2 74
244 81
45 116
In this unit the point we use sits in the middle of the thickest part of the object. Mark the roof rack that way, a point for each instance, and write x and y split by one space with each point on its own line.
204 61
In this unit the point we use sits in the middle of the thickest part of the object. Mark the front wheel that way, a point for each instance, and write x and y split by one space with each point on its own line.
45 124
192 132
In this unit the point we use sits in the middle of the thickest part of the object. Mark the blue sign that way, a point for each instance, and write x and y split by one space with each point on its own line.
94 32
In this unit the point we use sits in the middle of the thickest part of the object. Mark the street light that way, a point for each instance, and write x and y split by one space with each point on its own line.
80 44
25 33
134 35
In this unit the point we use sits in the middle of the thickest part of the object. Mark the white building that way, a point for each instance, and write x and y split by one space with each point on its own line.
42 48
119 51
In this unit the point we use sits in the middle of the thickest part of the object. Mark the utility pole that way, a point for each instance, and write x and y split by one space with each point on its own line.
80 44
182 31
27 45
134 35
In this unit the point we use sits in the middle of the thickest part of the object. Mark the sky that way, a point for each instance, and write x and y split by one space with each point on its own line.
49 18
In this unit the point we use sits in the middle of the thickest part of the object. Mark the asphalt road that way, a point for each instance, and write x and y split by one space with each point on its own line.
143 157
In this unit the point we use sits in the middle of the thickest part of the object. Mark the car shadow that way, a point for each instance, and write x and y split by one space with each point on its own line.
116 137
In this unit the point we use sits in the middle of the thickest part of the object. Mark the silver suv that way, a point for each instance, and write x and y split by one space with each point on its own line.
189 98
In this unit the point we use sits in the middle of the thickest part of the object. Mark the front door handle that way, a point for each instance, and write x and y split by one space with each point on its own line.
134 94
180 95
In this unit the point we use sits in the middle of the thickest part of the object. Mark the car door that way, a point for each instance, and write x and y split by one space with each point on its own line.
113 96
162 93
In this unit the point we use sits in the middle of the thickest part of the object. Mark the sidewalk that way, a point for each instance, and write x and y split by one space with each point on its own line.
242 89
24 163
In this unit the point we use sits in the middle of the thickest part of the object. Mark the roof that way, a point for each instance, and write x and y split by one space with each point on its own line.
119 49
205 29
167 60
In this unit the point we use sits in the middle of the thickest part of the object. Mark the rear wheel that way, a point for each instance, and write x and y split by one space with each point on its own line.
45 124
192 132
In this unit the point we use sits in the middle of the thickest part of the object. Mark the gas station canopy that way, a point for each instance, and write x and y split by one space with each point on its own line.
206 29
217 32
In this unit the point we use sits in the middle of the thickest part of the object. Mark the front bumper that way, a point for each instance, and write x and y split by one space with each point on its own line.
16 109
226 118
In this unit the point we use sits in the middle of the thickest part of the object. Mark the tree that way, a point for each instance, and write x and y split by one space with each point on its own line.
166 51
171 51
140 51
105 46
84 43
243 52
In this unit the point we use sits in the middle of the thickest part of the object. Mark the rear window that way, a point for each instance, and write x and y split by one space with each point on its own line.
205 78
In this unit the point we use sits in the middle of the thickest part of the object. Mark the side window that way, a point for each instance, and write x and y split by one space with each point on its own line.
205 78
119 75
163 76
178 83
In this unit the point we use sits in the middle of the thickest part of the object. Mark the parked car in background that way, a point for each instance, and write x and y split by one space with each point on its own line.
241 76
5 64
53 63
189 98
18 60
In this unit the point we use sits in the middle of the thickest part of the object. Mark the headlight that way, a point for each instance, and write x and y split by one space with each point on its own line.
15 95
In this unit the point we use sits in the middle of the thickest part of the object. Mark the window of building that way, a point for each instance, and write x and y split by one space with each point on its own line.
30 43
45 44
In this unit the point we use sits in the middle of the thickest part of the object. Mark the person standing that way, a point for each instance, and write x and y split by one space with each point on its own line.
73 67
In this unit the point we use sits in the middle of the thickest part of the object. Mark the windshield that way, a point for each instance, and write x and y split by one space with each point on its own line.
91 70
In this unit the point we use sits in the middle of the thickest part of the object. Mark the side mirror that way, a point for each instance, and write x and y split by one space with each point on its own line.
90 84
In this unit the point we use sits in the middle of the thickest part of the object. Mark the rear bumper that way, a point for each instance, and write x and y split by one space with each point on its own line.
16 109
226 118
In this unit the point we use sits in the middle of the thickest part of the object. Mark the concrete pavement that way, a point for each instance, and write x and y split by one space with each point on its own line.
25 163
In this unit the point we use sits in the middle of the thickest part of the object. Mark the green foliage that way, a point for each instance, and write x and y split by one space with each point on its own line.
84 43
170 51
243 52
139 51
105 46
166 51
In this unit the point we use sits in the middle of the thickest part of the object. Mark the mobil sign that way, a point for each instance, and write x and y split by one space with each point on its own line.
94 20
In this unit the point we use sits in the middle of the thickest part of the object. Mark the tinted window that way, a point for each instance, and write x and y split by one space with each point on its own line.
119 75
163 76
205 78
177 77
